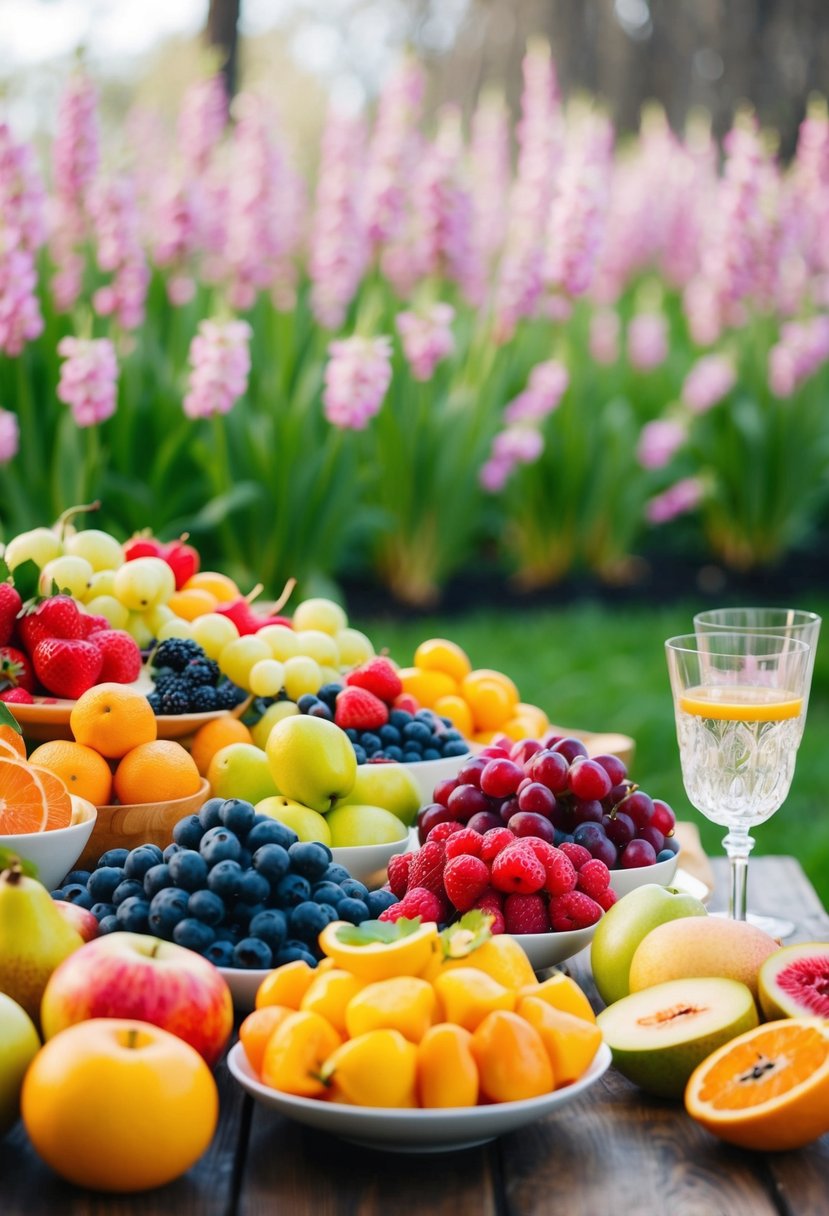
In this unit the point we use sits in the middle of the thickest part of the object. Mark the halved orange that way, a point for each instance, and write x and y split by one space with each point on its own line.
767 1089
11 742
31 799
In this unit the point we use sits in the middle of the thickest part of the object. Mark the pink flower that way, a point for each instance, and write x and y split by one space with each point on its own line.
604 335
120 252
88 378
427 338
708 381
658 442
20 318
576 222
22 196
201 122
546 386
648 340
678 499
220 362
357 378
9 436
338 239
76 149
513 446
803 348
494 474
390 157
489 154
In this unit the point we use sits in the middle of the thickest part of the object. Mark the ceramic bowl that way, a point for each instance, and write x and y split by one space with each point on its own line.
367 863
125 827
662 872
413 1131
56 851
243 985
548 949
427 773
48 718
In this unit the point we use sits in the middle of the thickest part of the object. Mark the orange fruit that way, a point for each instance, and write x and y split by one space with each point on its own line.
768 1089
81 769
512 1061
159 771
31 799
11 741
457 711
286 985
219 585
571 1042
188 604
447 1074
113 719
427 687
295 1053
215 735
439 654
491 697
257 1028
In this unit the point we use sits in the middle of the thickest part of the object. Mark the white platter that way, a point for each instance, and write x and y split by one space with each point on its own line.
413 1131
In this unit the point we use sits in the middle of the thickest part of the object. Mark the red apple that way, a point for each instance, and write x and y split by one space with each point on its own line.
81 919
130 975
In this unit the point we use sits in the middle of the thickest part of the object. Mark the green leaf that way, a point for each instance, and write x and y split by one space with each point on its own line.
26 578
5 572
8 858
242 495
7 718
467 934
372 931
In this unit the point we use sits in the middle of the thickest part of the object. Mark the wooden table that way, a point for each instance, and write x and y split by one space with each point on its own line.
612 1152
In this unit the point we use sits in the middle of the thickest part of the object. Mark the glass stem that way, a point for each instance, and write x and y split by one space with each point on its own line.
738 844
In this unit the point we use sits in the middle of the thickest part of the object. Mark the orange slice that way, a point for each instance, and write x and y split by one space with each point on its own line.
768 1089
31 799
11 741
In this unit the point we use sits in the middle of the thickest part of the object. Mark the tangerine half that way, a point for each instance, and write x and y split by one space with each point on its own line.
31 799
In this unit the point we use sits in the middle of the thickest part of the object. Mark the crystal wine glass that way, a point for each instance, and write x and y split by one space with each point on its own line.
739 700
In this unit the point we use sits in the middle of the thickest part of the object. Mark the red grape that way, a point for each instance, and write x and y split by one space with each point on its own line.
501 778
637 854
509 807
619 828
587 779
537 798
483 821
615 768
521 752
550 768
470 772
586 811
640 808
466 801
525 823
569 749
663 819
653 837
430 815
443 789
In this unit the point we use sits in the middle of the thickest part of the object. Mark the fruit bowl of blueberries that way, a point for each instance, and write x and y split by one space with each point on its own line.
235 886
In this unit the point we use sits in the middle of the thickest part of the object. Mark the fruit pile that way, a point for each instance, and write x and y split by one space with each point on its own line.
32 798
235 886
549 788
187 681
398 1016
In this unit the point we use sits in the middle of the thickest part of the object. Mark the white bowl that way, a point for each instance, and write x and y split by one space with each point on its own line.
413 1131
55 852
661 872
427 773
243 985
547 949
367 862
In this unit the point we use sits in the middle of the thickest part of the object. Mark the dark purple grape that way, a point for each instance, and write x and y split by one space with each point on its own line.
483 821
508 808
615 768
671 845
589 811
637 854
570 748
619 828
590 835
653 837
466 801
639 807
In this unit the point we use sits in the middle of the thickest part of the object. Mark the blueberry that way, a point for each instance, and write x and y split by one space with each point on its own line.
229 933
253 888
671 846
431 753
242 913
335 873
412 757
188 831
370 742
389 734
354 889
142 859
360 754
81 876
454 736
220 953
306 702
329 693
99 911
417 731
220 844
253 954
291 890
133 915
295 953
327 893
307 920
113 857
167 908
245 858
310 859
206 906
126 890
188 869
271 926
237 815
272 862
378 901
103 882
394 753
353 910
321 710
77 893
400 718
171 850
455 747
209 813
426 715
662 855
352 734
156 879
194 934
57 893
108 925
270 831
224 878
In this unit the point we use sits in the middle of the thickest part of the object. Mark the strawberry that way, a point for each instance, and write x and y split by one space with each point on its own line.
379 676
90 623
575 910
15 669
360 709
18 696
406 701
10 605
142 546
427 867
67 667
526 914
122 658
57 616
465 879
517 870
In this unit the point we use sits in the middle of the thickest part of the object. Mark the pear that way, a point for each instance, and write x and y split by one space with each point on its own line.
390 786
34 938
312 761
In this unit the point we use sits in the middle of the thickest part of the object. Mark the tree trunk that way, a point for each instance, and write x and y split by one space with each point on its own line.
222 32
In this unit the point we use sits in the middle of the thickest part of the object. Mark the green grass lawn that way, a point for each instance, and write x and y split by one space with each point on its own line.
604 669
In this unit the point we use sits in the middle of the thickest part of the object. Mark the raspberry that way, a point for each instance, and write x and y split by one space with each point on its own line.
560 874
360 709
494 842
544 851
418 901
378 676
593 878
427 867
398 873
442 831
526 914
607 898
467 840
577 853
465 879
517 869
575 910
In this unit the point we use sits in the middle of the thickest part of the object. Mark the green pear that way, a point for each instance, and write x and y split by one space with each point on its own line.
359 825
34 938
308 824
391 786
312 761
19 1044
273 714
241 770
622 928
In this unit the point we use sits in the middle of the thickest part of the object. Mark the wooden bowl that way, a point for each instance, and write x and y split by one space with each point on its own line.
125 827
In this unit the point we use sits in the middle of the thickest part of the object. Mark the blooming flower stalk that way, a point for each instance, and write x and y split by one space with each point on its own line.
220 363
75 158
120 252
88 379
357 378
201 123
489 169
392 152
9 436
22 232
338 239
605 328
648 341
803 347
659 441
547 384
680 498
576 223
513 446
427 338
709 380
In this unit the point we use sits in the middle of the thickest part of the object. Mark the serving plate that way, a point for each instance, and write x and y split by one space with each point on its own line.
413 1131
547 949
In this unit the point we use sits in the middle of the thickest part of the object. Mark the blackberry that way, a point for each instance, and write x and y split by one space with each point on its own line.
176 701
204 698
229 695
177 653
155 702
201 671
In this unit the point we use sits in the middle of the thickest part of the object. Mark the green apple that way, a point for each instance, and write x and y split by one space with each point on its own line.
312 761
241 770
308 824
273 714
358 825
318 613
19 1044
622 928
391 786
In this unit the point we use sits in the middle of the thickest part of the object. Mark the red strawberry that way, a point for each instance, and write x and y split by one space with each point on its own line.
67 667
517 869
427 867
142 546
58 616
465 879
359 708
526 914
91 623
122 658
10 605
16 669
398 873
18 696
406 701
575 910
379 676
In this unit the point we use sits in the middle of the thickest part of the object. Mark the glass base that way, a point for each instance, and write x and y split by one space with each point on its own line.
775 926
